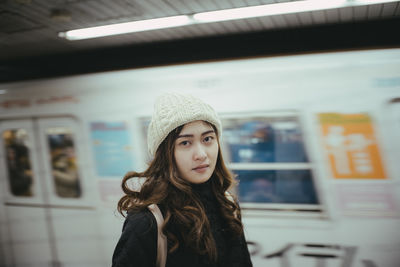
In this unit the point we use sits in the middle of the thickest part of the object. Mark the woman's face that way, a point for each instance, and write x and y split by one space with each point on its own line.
196 152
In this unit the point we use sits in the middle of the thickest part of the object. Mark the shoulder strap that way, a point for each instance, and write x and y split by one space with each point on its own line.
162 239
230 198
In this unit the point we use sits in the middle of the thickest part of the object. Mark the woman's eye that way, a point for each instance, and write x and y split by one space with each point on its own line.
184 143
208 139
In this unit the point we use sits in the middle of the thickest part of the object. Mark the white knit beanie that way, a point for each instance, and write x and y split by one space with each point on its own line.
172 110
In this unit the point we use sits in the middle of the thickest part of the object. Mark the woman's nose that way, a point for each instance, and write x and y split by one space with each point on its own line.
199 153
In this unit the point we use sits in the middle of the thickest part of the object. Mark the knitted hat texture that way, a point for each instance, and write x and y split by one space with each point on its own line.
172 110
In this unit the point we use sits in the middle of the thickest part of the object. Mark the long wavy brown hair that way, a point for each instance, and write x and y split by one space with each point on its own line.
182 209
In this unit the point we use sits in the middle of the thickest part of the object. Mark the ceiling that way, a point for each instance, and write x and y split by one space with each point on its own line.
30 46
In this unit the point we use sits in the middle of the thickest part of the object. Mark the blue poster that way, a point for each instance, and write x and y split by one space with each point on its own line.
112 148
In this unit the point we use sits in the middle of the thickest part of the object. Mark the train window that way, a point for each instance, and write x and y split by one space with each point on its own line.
268 155
18 162
63 162
276 186
268 139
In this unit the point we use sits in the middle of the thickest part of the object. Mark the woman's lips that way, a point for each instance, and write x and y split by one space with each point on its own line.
201 168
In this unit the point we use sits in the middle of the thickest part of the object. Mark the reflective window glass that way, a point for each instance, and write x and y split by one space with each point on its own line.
18 162
276 186
64 162
267 139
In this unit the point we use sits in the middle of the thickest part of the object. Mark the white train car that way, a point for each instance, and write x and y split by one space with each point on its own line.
313 138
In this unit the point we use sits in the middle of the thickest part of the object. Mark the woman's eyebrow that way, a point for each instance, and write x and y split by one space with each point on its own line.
191 135
208 132
185 135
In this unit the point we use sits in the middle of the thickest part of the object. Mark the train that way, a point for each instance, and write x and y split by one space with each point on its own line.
313 139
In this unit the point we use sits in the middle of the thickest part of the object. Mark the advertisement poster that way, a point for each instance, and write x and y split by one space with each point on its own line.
112 148
351 146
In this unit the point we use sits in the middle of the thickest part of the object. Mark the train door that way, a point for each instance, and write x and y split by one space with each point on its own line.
48 205
27 240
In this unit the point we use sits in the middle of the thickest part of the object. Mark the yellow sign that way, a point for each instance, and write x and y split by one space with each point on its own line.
351 146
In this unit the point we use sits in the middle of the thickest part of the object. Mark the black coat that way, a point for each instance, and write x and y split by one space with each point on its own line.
137 245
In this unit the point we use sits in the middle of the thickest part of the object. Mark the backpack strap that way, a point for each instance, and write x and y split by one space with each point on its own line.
229 196
162 239
231 199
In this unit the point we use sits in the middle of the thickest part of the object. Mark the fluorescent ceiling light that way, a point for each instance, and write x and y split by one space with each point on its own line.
215 16
370 2
267 10
3 91
280 9
127 27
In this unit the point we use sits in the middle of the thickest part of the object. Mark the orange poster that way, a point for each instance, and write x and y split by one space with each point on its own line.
351 145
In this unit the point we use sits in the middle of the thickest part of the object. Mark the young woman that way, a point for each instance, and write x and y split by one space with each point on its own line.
188 180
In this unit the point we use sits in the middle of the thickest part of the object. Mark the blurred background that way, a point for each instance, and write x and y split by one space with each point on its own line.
308 93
